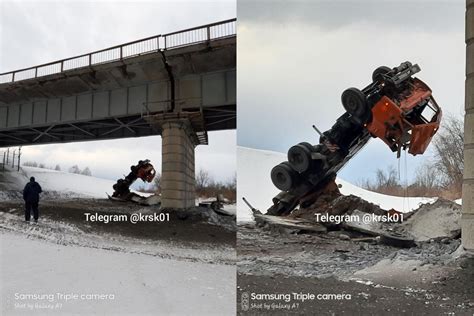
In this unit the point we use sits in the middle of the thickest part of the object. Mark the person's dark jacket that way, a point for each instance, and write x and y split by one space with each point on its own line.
31 192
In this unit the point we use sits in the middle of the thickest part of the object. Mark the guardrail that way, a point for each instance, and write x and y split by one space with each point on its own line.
203 33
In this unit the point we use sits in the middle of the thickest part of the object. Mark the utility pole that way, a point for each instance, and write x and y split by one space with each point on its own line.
19 158
13 160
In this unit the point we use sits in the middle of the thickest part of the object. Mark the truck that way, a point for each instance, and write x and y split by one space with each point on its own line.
396 107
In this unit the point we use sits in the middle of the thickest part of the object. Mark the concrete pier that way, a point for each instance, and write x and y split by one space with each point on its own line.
177 177
467 221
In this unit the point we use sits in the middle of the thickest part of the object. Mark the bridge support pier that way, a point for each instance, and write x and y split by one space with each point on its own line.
177 172
467 221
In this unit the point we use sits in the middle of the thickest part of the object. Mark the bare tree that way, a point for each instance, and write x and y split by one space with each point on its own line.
387 179
232 184
383 179
202 179
30 164
449 146
386 182
427 177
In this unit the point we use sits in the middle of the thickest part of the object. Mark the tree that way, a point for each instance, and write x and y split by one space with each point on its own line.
57 168
75 169
202 179
30 164
86 172
449 149
388 179
427 177
385 180
232 184
42 165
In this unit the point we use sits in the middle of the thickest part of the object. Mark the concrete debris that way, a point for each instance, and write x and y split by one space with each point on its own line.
439 221
442 219
276 222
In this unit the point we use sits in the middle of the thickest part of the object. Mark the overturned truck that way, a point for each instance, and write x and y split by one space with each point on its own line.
396 107
145 171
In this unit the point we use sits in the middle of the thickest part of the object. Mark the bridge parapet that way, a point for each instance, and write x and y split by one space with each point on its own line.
201 34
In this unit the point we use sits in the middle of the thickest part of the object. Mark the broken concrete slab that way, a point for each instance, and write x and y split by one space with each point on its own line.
373 228
272 221
434 221
388 235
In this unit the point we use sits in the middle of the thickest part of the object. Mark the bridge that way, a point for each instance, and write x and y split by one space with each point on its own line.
179 85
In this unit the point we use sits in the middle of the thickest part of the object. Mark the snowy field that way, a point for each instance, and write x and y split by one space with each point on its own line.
254 183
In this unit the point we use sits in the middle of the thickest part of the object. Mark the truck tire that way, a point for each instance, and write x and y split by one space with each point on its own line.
377 74
284 177
299 157
355 104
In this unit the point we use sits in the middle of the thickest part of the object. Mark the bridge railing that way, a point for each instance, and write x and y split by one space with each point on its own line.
204 33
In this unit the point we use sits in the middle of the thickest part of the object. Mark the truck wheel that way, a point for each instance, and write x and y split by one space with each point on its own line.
299 157
377 74
283 176
355 104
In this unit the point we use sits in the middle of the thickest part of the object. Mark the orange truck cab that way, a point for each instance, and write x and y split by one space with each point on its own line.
397 108
410 122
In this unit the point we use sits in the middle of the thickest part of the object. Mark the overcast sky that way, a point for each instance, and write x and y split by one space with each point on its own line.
295 58
36 32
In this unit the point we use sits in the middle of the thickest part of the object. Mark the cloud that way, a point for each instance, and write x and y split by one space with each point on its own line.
403 15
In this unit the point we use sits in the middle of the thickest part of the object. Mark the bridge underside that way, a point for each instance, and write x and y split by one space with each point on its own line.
215 119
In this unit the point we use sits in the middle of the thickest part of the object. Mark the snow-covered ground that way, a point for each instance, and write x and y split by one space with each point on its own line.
140 284
254 183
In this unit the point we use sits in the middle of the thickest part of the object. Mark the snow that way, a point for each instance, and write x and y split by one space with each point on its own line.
140 284
386 202
254 183
51 180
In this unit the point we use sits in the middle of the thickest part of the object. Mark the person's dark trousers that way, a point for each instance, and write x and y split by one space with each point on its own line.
31 206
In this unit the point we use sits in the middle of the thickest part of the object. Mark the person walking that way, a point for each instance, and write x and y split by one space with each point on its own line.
31 194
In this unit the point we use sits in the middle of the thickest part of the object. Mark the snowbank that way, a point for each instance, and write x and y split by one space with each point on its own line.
254 183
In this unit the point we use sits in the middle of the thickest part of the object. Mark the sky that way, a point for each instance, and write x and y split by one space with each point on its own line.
295 58
36 32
